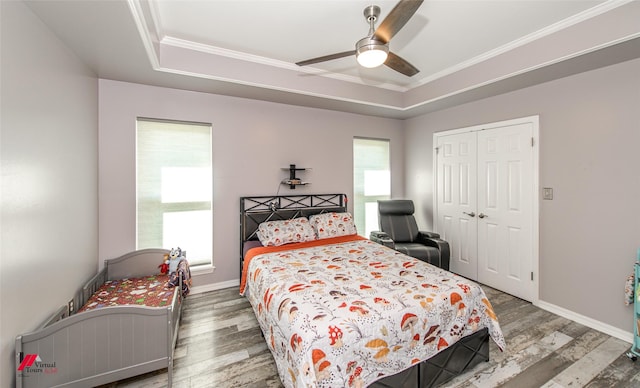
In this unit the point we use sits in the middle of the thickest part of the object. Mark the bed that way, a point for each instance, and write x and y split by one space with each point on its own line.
127 325
342 310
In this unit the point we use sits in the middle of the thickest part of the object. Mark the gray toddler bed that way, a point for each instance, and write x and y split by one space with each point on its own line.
106 344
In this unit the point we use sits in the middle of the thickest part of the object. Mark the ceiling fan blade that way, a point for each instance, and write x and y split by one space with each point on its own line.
396 19
400 65
326 58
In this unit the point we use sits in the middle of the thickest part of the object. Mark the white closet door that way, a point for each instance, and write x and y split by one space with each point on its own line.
505 209
486 182
456 196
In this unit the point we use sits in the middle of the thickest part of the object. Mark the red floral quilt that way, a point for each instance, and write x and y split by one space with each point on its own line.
148 291
348 314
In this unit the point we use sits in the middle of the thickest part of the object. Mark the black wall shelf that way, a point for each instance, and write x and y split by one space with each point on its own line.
293 180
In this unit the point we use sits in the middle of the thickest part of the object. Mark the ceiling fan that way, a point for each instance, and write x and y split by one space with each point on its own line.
373 50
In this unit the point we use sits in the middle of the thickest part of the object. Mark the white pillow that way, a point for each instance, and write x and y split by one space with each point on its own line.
333 224
275 233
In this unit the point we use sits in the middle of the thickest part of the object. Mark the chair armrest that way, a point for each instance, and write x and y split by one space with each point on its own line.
429 234
443 247
382 238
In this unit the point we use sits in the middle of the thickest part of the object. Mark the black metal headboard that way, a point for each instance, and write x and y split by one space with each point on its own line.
255 210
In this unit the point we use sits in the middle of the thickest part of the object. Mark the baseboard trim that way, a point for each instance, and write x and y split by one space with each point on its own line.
216 286
589 322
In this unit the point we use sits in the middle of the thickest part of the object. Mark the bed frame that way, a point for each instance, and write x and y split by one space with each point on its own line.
455 360
255 210
103 345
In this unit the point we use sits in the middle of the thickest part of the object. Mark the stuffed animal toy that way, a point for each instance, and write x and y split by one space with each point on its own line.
164 267
174 258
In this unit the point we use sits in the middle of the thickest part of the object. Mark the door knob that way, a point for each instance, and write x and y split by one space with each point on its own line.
472 214
481 215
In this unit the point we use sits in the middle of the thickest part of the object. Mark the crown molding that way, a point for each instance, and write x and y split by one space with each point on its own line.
525 70
144 30
218 51
286 90
559 26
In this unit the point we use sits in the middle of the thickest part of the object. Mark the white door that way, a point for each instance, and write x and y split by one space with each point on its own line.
456 193
505 198
485 204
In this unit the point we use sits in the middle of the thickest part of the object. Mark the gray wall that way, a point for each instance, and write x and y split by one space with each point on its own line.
589 137
252 142
49 223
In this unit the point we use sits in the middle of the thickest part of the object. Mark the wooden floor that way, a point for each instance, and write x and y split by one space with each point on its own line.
220 345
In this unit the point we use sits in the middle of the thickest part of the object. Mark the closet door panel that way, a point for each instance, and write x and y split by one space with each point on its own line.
505 179
456 198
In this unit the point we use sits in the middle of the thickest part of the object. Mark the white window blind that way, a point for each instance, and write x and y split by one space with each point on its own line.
174 188
371 181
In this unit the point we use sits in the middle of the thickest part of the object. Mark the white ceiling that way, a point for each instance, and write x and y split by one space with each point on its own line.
248 48
441 35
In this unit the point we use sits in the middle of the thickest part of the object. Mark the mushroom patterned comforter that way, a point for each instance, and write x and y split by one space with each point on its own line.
349 313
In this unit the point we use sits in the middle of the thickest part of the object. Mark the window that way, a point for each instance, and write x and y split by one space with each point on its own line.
371 181
174 188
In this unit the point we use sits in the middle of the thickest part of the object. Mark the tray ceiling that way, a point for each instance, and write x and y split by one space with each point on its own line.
465 50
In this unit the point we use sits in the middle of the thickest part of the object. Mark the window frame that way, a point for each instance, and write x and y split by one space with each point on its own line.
198 264
359 209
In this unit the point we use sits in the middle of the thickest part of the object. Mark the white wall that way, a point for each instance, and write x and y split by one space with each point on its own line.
48 228
589 137
252 141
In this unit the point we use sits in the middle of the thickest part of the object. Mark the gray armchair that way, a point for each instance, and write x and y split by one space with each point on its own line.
399 231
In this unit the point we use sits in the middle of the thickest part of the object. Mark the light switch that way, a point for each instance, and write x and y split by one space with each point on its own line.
547 193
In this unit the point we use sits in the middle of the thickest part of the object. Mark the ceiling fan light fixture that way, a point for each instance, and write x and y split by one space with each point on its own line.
371 52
